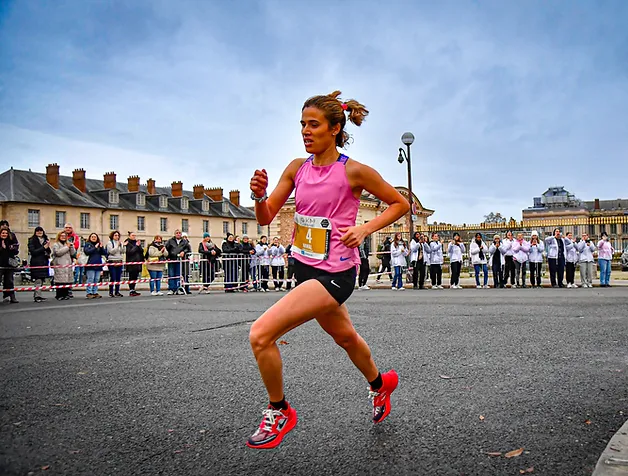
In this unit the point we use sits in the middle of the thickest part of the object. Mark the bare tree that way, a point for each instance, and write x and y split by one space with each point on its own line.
494 218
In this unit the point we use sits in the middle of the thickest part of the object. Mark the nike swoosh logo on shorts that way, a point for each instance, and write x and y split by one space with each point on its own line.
332 282
342 258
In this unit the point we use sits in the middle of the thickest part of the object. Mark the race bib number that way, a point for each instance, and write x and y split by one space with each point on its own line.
311 236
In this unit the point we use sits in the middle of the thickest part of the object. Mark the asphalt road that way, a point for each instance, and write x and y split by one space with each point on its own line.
169 385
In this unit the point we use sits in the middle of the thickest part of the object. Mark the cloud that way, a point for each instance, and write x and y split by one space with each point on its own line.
504 99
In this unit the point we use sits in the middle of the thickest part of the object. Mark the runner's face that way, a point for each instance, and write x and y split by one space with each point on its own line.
317 135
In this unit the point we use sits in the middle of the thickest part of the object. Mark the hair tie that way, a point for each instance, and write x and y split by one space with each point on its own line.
344 106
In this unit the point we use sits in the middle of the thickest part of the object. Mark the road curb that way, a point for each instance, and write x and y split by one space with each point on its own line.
614 459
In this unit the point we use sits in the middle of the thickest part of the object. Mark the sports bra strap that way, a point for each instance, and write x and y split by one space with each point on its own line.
343 159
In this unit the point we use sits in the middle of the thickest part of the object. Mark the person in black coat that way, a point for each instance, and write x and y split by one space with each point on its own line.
39 251
209 254
247 250
230 262
9 248
134 253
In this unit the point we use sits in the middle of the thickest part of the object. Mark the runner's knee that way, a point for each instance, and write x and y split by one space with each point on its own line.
259 339
347 339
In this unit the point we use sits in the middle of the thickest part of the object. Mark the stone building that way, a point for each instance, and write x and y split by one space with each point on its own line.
29 199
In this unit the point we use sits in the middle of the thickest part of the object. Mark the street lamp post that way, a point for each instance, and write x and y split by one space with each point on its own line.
408 138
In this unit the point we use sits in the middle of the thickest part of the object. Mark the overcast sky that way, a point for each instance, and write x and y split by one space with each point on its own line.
504 98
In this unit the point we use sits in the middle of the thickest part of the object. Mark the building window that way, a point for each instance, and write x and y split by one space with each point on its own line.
576 229
602 229
33 218
225 206
613 229
114 197
205 205
114 222
59 219
163 202
184 203
624 228
185 225
260 230
140 200
591 231
84 221
225 227
163 225
245 228
141 224
205 226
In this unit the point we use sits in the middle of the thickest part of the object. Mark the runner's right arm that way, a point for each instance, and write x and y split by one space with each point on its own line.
268 209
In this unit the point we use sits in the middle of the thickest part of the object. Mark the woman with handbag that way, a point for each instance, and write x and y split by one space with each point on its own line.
9 248
63 253
39 251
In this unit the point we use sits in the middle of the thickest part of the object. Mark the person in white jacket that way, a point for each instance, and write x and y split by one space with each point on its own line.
556 247
479 257
536 259
586 248
509 262
277 263
496 261
263 255
398 252
571 258
520 250
418 257
455 251
436 261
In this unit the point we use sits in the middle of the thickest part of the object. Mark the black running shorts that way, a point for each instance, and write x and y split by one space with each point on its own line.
339 285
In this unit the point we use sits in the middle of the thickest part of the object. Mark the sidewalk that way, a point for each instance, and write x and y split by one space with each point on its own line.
614 459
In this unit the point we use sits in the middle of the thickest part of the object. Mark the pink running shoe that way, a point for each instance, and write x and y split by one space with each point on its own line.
274 426
381 397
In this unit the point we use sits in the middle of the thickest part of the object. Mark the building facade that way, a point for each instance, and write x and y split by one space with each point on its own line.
30 199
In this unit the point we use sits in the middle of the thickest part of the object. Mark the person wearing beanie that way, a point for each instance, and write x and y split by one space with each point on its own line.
535 257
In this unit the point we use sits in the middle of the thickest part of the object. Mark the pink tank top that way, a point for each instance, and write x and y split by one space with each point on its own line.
324 203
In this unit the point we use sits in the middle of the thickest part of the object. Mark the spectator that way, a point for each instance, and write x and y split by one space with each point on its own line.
9 248
520 249
383 253
39 251
277 263
247 250
586 248
604 258
417 260
95 252
74 240
455 251
263 254
156 253
177 247
255 268
497 253
185 265
509 262
365 266
536 259
134 254
230 250
63 254
556 246
436 261
398 253
479 251
571 258
290 275
210 254
116 253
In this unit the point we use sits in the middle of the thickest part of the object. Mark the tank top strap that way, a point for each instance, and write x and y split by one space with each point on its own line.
343 159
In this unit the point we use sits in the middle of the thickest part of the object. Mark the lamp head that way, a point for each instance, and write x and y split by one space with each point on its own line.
400 158
407 138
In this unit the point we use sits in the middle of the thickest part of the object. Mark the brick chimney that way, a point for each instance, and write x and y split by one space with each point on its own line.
134 183
110 180
52 175
198 191
234 197
150 186
177 189
214 193
597 204
78 179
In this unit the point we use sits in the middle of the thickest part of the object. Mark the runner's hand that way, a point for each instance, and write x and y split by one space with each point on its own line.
353 236
259 183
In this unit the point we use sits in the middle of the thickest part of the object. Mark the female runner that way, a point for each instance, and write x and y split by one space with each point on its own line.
327 186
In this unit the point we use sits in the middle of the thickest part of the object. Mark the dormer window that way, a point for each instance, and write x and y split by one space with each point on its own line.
184 203
140 200
114 197
205 205
225 207
163 202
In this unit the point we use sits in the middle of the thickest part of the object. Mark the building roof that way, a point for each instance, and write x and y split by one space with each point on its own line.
24 186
